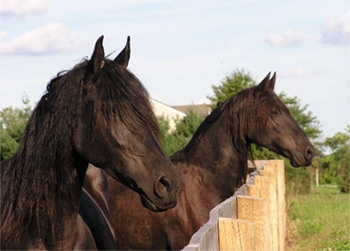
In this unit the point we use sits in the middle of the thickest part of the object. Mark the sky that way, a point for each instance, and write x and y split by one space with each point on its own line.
180 49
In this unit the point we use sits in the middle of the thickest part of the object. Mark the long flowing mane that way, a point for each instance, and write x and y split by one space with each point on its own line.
239 114
36 190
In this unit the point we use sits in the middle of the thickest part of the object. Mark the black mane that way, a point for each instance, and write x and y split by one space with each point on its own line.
132 96
239 109
39 182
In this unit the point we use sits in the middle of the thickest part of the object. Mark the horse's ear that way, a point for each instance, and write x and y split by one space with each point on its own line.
273 81
97 60
266 85
124 56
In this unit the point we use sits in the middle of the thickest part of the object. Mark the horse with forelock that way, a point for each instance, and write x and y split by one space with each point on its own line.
97 113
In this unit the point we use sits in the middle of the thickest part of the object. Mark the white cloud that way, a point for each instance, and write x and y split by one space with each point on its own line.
337 31
21 8
3 34
297 72
300 72
51 38
286 39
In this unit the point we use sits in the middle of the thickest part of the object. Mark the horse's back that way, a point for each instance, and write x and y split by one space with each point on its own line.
94 208
97 186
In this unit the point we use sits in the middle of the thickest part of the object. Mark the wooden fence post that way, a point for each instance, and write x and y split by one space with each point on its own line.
236 235
254 191
265 193
277 166
260 208
272 207
263 182
253 209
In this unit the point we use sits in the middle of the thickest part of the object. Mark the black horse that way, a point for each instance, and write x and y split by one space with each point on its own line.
212 166
98 113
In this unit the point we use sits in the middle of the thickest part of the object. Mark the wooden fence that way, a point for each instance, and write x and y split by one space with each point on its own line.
254 218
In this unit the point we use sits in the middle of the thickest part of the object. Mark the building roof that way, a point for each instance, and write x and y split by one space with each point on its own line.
174 113
171 114
203 109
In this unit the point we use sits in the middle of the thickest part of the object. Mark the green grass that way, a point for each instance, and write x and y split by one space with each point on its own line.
320 220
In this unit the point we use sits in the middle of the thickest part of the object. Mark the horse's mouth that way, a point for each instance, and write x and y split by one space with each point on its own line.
294 161
146 202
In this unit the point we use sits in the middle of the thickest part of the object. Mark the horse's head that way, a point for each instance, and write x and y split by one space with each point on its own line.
276 128
117 130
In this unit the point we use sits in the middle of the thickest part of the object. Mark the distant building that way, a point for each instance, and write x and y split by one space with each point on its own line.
203 109
168 112
173 113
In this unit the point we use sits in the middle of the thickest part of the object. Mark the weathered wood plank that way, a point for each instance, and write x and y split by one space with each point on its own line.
254 209
236 235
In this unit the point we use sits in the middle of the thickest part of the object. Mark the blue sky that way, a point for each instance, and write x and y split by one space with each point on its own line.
181 48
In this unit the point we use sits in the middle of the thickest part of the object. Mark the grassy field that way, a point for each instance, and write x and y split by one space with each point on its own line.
320 220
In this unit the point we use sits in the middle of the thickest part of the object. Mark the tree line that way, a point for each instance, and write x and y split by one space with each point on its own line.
333 153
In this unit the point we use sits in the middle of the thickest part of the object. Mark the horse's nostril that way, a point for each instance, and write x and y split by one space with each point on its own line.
162 187
309 153
165 183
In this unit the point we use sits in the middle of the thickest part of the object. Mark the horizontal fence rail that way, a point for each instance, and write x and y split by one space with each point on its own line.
254 218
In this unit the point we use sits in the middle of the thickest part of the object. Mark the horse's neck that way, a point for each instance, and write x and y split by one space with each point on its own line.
210 173
197 196
209 168
214 155
198 193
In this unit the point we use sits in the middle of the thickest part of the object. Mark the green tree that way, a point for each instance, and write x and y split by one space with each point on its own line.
164 127
337 164
189 124
12 124
171 143
185 128
339 143
231 85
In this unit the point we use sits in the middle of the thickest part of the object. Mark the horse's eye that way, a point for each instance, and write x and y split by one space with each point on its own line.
274 112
